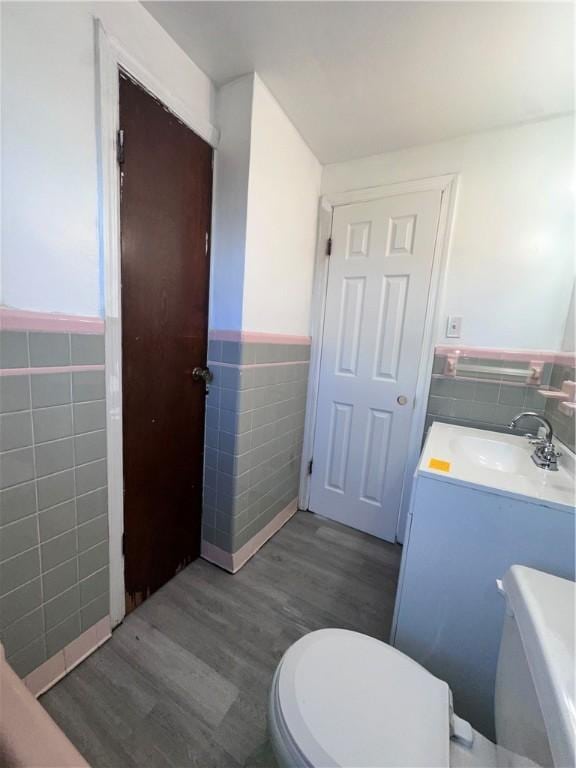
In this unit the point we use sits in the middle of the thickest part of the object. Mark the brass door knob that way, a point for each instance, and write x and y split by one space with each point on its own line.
401 399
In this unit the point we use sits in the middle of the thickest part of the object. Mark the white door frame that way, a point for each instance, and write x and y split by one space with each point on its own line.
111 56
447 185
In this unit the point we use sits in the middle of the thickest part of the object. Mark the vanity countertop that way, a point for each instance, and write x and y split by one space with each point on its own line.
497 461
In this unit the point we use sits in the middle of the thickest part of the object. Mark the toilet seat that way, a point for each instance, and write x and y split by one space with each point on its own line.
340 698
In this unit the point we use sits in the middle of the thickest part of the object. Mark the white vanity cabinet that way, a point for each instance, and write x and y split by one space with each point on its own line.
484 508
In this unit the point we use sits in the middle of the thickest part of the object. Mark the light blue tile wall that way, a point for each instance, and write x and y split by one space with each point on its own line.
490 401
562 422
254 433
53 495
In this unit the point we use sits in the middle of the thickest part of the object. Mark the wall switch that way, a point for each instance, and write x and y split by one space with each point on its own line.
453 327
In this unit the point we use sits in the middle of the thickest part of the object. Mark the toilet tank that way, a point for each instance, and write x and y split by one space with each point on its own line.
535 680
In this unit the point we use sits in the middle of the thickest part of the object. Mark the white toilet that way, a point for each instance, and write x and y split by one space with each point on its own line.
340 698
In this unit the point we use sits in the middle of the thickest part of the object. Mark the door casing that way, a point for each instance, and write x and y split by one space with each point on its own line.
111 57
448 185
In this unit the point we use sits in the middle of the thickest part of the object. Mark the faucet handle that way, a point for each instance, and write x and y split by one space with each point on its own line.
550 450
546 456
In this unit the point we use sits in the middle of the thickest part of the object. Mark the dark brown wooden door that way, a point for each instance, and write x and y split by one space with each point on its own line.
165 208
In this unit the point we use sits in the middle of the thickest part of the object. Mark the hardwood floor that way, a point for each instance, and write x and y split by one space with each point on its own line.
184 680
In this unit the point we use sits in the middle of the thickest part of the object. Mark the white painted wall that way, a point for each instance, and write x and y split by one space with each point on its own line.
263 253
511 265
569 340
512 248
265 215
50 254
284 187
232 165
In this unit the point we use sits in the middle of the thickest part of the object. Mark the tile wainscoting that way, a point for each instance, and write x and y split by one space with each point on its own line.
562 417
53 491
485 392
254 432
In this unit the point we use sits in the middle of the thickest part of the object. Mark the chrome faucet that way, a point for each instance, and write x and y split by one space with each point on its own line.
545 455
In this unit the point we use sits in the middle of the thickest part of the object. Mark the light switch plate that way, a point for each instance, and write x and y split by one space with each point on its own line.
453 327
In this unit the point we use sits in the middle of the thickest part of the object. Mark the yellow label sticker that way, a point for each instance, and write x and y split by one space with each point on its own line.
443 466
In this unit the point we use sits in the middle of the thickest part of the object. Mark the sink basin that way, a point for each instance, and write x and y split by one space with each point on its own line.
491 454
498 460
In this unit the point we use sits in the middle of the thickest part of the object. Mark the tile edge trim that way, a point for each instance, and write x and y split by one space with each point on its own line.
50 369
255 337
244 366
56 667
28 320
544 355
232 562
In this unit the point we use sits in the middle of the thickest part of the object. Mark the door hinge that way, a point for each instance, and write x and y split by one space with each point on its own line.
120 146
310 466
329 247
123 544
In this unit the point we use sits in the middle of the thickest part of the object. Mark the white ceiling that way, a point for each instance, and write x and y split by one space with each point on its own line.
359 78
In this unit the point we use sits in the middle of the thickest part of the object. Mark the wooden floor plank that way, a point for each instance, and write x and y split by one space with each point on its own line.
184 681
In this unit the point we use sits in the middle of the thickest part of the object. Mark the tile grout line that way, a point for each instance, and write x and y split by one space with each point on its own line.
52 506
59 624
33 408
74 483
33 446
52 474
48 442
60 405
49 570
40 561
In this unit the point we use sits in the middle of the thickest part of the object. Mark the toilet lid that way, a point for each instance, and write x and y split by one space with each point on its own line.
346 699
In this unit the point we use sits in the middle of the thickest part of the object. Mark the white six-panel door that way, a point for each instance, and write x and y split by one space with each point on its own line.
376 303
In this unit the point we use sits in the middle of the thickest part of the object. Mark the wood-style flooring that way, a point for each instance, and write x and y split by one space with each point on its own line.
184 680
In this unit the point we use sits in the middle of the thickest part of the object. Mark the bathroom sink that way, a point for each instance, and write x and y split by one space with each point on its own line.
492 454
497 460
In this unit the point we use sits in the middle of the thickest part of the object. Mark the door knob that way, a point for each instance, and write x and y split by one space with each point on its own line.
401 399
200 373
